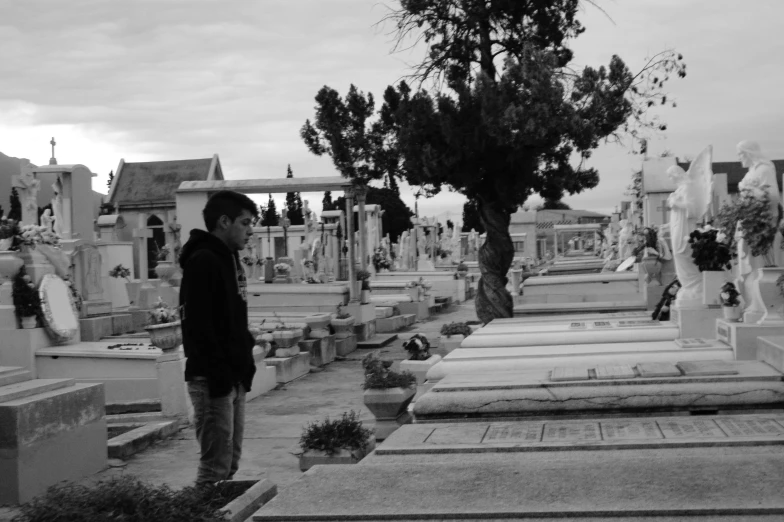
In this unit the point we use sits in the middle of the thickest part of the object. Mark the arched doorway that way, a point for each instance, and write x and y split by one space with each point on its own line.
154 244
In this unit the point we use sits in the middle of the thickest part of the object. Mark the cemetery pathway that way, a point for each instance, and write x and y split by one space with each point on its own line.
275 420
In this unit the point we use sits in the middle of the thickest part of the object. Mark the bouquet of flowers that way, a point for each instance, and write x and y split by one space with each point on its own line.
710 249
729 294
120 271
163 253
249 260
282 267
418 348
32 235
163 313
8 228
752 215
380 259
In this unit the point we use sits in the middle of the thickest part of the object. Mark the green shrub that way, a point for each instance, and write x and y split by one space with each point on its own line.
128 499
27 301
456 329
378 376
332 435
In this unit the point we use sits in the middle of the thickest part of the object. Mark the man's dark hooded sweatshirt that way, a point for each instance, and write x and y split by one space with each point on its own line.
215 332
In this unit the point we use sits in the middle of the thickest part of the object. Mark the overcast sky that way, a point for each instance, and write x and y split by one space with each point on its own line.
151 80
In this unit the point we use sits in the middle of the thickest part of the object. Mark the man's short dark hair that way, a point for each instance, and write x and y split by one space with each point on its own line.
227 203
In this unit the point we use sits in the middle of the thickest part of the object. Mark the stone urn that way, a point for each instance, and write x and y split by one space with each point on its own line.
343 327
771 295
166 271
166 336
10 263
287 342
390 407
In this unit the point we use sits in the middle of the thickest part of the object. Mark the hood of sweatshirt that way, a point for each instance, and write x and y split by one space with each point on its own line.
199 240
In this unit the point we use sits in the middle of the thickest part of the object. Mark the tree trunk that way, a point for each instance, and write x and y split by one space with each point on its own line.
495 257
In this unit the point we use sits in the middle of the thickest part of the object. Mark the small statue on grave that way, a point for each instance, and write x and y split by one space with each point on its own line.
47 220
688 204
28 186
57 206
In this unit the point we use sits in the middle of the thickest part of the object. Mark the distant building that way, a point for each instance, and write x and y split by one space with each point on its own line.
150 188
539 232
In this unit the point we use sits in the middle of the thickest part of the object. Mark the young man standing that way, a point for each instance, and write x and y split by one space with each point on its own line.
218 346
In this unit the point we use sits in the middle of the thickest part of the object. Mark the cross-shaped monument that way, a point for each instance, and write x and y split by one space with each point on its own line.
52 160
142 234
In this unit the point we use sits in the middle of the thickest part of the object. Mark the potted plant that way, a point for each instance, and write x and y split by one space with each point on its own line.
711 252
27 301
131 287
730 300
341 441
286 338
342 323
164 326
420 360
363 276
387 394
452 335
281 273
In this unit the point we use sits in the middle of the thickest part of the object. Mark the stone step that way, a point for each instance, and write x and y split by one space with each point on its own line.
377 341
13 375
567 485
133 407
25 389
136 440
382 312
390 324
409 319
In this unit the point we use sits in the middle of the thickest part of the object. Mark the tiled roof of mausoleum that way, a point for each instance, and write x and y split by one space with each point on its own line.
735 172
156 182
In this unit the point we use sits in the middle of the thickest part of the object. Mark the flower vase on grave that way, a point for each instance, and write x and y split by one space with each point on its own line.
712 281
29 322
732 313
165 271
771 295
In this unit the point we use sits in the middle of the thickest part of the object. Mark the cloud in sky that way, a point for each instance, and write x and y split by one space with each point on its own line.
170 79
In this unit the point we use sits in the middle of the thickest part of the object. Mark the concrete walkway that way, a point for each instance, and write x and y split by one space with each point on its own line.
274 421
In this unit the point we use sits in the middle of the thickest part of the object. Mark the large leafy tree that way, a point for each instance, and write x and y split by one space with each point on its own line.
506 116
293 204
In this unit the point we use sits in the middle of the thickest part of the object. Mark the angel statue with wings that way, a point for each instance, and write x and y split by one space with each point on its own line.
688 204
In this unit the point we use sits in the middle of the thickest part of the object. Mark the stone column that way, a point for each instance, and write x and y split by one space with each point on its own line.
352 275
361 193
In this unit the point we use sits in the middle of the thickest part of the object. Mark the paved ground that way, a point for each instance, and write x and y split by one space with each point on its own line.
275 420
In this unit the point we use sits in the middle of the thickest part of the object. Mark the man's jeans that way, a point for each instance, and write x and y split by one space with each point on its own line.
219 428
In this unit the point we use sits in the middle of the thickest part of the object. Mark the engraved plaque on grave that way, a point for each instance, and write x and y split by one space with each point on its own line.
602 324
615 371
571 432
690 429
577 326
630 430
514 433
693 343
460 434
569 374
639 322
654 369
751 427
716 367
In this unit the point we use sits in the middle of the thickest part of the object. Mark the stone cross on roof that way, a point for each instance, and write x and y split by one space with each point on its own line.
52 160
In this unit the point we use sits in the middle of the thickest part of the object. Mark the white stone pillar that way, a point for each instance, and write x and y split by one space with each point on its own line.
352 275
361 193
